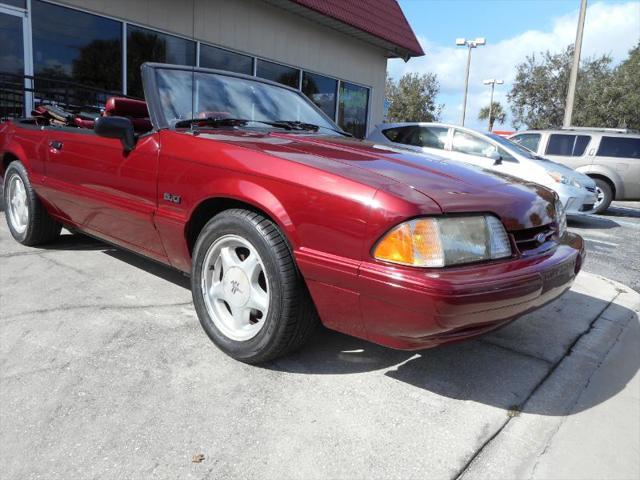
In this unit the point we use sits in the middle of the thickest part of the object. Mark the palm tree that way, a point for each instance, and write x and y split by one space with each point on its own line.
497 114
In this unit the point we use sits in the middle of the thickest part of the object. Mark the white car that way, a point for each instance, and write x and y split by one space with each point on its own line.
577 191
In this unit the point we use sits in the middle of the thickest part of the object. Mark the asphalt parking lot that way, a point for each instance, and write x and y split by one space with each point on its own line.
105 373
613 242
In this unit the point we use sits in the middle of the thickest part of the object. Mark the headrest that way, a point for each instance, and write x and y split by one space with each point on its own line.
125 107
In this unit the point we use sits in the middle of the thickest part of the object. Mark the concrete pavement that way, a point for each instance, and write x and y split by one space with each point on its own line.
105 373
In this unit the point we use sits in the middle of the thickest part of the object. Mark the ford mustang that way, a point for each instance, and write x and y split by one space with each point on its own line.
281 219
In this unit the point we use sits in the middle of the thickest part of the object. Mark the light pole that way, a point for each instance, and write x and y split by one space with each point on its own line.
493 82
469 44
571 92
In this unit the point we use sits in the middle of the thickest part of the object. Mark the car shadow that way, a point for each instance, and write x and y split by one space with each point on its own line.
622 211
502 368
592 222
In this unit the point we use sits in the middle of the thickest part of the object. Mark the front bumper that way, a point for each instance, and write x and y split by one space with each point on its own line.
576 200
411 308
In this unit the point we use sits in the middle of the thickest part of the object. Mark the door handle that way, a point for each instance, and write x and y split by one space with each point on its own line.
56 144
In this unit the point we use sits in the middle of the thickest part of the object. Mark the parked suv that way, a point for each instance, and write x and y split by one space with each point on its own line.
610 156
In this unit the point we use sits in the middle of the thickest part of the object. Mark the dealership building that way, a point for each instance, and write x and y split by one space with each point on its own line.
78 52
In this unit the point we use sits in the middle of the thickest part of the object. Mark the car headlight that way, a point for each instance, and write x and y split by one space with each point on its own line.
558 177
440 242
561 219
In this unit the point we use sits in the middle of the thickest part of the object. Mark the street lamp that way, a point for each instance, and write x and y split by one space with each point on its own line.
493 82
470 44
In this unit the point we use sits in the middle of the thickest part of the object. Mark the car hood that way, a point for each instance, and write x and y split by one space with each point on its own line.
454 186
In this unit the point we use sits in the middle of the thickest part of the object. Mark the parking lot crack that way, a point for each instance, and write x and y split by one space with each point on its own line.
568 351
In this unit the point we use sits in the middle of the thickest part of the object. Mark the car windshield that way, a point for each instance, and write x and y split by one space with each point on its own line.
514 147
185 95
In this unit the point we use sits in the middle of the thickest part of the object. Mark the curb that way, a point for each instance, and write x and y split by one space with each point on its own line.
515 449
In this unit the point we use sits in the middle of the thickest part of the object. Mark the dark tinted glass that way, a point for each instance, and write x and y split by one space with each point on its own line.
322 91
145 45
15 3
221 59
619 147
567 145
431 137
75 46
581 145
352 109
11 51
278 73
528 140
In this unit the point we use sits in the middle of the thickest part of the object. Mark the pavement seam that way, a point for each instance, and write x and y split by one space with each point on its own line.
99 307
553 368
586 385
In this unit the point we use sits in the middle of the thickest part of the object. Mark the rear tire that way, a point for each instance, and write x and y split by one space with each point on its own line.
605 195
249 295
28 220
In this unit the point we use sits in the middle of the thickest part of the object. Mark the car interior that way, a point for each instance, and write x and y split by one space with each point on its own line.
133 109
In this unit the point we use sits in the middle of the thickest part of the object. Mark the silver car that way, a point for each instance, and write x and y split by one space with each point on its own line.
577 192
610 156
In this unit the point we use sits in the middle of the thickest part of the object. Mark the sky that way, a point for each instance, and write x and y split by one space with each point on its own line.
513 29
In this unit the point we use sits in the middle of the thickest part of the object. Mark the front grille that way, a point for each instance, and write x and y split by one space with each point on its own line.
532 238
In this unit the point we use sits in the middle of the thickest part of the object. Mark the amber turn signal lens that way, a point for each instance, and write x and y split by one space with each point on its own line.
396 246
412 243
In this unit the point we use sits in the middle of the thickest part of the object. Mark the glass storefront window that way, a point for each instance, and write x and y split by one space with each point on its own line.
76 46
221 59
322 91
352 109
144 45
278 73
15 3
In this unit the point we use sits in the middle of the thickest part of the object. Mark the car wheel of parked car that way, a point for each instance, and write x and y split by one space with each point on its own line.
247 290
605 196
28 220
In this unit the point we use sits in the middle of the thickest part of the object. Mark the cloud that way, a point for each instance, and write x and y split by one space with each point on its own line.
609 29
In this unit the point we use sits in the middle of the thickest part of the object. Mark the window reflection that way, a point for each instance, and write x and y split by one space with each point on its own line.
12 53
321 90
352 110
221 59
76 46
144 45
278 73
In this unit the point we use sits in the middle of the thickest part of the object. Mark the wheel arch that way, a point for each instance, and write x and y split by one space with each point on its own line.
7 158
612 178
268 206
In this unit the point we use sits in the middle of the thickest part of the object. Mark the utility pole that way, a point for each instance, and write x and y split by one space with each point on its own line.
469 44
571 93
493 82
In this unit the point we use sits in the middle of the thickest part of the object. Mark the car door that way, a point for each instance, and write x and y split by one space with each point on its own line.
108 192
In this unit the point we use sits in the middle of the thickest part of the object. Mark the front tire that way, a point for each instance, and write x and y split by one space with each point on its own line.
249 295
28 220
605 195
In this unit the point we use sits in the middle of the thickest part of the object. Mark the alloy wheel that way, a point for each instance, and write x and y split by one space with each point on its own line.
18 204
235 287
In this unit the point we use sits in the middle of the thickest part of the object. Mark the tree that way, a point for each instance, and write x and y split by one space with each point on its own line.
497 114
413 98
605 96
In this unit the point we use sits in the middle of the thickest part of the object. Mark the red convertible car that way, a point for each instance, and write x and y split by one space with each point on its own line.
281 219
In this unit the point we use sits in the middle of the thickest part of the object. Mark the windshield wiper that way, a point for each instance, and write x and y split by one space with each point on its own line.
229 122
240 122
311 127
